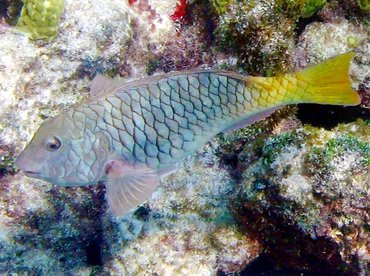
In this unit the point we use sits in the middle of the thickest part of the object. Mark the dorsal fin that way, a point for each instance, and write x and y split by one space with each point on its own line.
101 84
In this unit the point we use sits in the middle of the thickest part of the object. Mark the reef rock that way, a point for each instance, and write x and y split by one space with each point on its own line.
46 230
321 41
298 193
311 187
186 227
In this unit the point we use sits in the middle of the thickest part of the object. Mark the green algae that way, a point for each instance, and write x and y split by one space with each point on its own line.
221 6
340 146
350 138
40 18
276 144
364 5
309 7
299 8
353 41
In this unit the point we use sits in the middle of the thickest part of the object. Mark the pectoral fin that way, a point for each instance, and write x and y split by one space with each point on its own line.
128 186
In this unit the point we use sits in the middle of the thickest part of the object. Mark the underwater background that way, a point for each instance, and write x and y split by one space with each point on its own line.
289 195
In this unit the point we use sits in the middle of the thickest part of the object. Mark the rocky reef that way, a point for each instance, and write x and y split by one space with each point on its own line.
187 221
46 230
289 194
312 184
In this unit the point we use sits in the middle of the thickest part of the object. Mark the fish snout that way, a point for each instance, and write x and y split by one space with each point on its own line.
29 167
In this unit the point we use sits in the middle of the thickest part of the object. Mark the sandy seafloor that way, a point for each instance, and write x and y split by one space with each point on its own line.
286 196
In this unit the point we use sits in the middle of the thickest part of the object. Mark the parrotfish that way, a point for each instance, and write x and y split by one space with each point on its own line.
130 135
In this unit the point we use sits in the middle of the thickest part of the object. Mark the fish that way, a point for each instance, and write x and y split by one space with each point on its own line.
131 135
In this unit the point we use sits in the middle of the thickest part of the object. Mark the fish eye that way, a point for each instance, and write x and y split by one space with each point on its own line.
52 143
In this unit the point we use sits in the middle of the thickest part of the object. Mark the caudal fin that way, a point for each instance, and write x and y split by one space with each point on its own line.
326 83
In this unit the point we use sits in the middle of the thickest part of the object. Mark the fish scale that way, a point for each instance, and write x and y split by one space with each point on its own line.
199 103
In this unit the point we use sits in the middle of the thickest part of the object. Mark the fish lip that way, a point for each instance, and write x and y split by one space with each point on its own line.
32 174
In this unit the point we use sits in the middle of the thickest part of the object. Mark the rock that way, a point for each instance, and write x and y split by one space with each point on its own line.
186 222
313 183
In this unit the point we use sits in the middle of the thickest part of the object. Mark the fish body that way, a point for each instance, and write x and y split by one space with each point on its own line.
131 135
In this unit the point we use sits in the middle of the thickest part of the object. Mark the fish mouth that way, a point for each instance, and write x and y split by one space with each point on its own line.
32 174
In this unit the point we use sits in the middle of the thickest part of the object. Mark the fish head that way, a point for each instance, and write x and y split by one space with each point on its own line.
61 152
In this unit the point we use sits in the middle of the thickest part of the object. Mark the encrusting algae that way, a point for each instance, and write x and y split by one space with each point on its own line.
133 134
312 184
364 5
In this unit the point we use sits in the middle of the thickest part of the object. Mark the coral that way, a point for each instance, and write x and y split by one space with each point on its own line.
186 222
180 11
313 183
40 18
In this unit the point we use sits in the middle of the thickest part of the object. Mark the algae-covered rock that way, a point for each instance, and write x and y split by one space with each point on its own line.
46 230
313 183
321 41
364 5
186 222
261 37
40 18
41 79
7 160
300 8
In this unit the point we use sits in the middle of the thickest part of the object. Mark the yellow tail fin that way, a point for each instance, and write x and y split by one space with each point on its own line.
325 83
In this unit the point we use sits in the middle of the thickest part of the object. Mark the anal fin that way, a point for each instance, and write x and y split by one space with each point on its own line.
251 119
128 186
